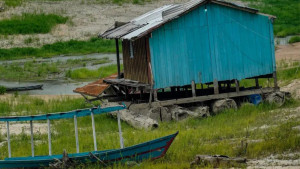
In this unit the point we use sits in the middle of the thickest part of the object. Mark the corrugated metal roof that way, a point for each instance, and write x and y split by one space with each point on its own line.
148 22
95 88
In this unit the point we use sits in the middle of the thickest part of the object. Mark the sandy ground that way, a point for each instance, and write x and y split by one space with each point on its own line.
288 52
86 19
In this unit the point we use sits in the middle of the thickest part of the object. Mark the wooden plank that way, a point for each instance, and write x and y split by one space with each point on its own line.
212 97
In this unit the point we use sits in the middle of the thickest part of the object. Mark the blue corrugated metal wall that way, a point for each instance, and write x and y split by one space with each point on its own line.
219 43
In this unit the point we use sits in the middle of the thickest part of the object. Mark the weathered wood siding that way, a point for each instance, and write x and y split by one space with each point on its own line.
136 68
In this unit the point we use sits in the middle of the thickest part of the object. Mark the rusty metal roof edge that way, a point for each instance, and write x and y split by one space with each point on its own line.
191 6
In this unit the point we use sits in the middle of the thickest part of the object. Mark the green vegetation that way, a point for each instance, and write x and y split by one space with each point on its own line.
294 39
220 134
39 70
13 3
84 73
2 90
286 11
30 24
72 47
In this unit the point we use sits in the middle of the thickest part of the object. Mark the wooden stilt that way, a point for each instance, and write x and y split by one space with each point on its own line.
216 87
275 80
237 85
155 95
256 83
193 88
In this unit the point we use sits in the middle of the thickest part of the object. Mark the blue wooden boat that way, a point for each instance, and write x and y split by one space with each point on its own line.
148 150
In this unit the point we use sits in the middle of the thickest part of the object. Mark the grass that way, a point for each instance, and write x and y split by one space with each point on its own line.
294 39
30 24
84 73
220 134
13 3
72 47
286 11
36 70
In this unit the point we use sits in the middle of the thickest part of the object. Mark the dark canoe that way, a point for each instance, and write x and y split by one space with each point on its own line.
149 150
25 88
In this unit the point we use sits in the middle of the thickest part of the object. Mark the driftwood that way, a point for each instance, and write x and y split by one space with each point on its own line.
217 161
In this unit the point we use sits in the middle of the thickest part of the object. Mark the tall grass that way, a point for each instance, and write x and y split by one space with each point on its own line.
30 24
220 134
294 39
84 73
72 47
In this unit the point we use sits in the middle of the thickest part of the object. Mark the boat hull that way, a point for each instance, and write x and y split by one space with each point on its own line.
149 150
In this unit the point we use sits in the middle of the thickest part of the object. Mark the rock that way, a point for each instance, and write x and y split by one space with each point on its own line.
200 111
154 114
217 161
223 104
277 98
135 119
165 114
179 113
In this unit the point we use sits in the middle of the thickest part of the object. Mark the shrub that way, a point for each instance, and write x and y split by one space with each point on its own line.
2 89
294 39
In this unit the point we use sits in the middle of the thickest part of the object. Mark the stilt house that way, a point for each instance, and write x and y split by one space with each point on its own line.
175 47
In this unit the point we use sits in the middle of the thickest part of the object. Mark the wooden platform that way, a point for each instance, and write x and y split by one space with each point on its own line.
129 83
212 97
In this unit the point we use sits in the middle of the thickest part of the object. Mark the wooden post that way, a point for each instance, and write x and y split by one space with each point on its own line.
118 58
94 131
8 140
76 134
193 88
120 131
216 87
256 83
155 95
275 80
237 85
31 134
49 137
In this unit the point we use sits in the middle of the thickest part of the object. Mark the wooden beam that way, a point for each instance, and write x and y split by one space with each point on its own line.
212 97
193 88
118 58
216 87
